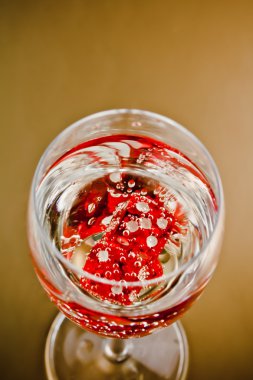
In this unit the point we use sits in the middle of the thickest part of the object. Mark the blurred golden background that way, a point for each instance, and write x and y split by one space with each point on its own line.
190 60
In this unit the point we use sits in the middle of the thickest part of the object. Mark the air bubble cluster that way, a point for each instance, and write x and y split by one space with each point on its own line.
123 223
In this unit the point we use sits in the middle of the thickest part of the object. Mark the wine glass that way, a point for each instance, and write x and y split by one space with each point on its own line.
126 217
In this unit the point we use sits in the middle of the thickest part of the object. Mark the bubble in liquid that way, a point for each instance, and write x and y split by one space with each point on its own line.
131 183
172 205
142 275
132 226
102 255
122 241
145 223
91 207
115 177
108 274
151 241
106 220
137 264
142 207
131 255
133 296
91 221
162 223
116 289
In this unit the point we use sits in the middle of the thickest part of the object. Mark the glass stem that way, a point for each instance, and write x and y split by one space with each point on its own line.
116 350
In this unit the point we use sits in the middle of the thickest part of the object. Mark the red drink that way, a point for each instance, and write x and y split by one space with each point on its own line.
130 217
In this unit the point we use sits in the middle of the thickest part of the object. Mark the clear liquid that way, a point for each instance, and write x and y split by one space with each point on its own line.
85 199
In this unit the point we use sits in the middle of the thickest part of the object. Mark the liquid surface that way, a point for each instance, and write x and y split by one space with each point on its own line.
126 208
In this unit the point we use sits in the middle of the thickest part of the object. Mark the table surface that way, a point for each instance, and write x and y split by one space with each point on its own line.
190 60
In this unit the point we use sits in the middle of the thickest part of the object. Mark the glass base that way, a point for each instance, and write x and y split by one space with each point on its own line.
75 354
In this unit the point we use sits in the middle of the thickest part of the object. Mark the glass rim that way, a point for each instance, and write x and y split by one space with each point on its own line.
124 283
